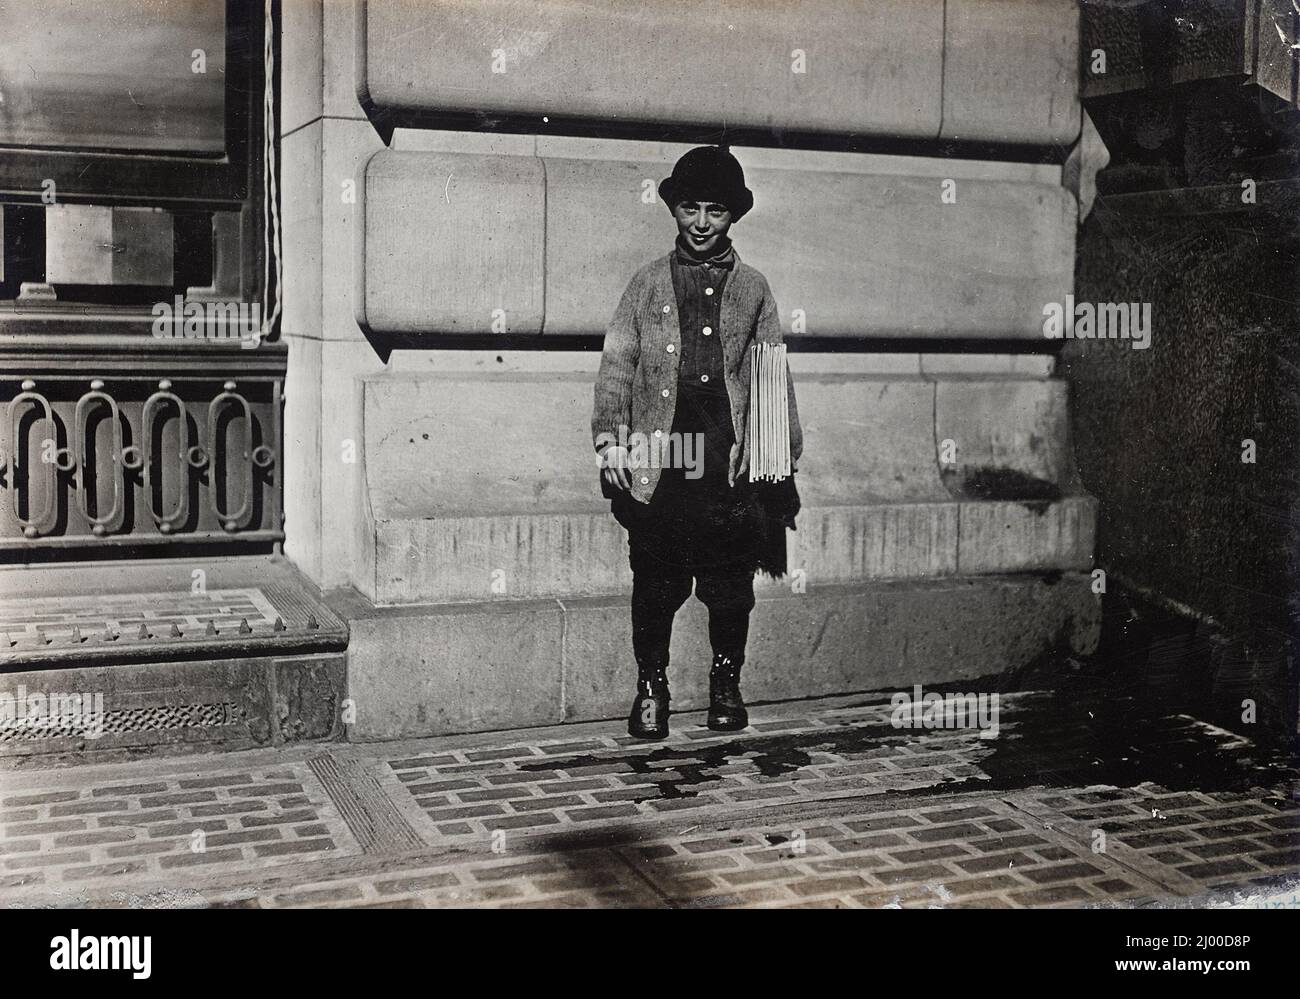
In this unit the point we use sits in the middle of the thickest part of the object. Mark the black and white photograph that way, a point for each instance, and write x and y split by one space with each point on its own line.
651 455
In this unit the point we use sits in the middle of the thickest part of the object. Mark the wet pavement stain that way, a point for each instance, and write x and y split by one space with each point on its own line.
697 765
1065 739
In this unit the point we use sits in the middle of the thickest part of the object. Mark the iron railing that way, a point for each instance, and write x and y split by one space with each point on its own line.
132 458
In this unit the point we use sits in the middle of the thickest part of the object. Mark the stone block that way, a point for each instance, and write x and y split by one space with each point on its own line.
302 455
866 440
498 558
867 69
838 639
581 298
1011 71
876 541
343 498
981 266
302 230
478 444
324 458
302 64
307 697
453 243
890 635
600 671
344 57
347 146
1027 536
178 706
985 365
1012 437
455 668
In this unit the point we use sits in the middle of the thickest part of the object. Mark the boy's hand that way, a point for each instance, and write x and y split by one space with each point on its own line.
613 467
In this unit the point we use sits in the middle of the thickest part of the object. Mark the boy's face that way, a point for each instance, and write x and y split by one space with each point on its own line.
702 223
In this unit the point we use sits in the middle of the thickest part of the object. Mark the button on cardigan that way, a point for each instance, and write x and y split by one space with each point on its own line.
636 386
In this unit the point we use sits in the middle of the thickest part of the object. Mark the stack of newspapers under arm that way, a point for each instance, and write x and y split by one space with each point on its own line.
769 414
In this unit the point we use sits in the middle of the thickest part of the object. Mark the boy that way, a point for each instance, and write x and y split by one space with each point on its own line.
676 367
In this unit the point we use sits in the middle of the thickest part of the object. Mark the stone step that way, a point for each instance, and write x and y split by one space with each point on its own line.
439 669
140 611
272 673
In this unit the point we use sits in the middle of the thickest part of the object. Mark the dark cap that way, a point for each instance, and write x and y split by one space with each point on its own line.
708 173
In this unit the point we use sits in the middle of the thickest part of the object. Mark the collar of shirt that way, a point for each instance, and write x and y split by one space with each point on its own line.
724 256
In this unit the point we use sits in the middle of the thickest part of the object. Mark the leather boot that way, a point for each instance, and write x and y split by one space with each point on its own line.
649 716
726 707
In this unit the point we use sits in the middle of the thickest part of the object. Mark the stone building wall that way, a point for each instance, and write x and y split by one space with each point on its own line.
446 291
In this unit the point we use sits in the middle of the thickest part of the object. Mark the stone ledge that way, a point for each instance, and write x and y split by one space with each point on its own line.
273 611
434 670
521 557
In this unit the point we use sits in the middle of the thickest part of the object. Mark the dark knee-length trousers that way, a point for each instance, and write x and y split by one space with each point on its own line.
696 529
658 592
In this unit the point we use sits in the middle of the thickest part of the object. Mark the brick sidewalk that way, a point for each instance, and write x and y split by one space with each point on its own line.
818 804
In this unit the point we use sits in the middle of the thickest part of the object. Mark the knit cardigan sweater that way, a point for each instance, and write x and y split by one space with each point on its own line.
636 387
